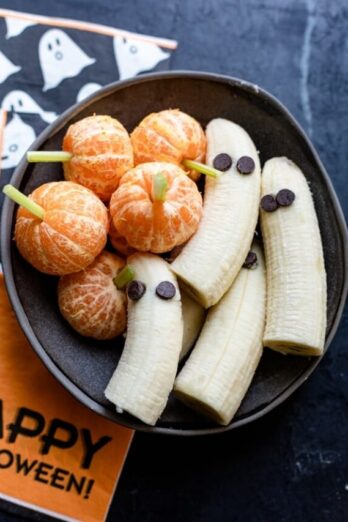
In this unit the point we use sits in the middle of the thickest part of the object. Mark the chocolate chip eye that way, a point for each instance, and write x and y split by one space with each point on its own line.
285 197
135 290
165 290
245 165
222 162
268 203
250 261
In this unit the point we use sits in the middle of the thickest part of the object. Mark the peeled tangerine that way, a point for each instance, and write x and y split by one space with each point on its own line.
156 207
101 153
72 231
90 300
169 135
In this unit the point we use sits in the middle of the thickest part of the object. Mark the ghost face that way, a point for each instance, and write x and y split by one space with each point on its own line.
60 58
18 136
20 101
7 67
134 56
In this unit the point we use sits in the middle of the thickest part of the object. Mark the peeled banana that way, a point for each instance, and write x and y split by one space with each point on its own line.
296 279
221 366
212 258
193 316
146 371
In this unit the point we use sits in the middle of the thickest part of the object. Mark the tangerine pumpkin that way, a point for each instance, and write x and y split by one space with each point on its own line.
151 224
90 301
72 232
171 136
101 153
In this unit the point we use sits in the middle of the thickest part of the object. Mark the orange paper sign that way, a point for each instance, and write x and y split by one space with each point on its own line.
55 455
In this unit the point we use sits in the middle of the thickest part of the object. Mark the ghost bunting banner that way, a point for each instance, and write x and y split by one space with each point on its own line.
87 90
21 101
48 64
7 67
17 137
16 26
132 57
60 58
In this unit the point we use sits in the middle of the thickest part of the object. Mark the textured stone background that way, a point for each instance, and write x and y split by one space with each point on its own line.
291 466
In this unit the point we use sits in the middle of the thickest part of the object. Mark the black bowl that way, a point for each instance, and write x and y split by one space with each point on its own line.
84 366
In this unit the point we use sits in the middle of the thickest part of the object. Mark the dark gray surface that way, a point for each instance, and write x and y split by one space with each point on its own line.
292 465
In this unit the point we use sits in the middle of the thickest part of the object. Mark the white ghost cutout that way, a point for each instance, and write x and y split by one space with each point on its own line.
86 90
20 101
60 58
7 67
18 136
134 56
16 26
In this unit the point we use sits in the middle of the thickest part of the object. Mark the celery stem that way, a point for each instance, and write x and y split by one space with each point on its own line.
48 156
202 168
22 200
125 276
159 187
